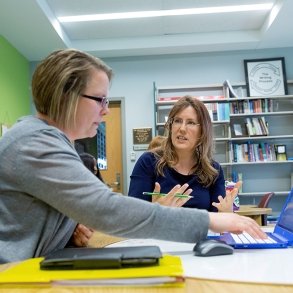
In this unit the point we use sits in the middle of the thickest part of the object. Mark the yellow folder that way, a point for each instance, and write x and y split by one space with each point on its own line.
168 272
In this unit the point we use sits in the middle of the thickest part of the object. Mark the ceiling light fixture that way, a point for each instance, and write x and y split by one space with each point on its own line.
173 12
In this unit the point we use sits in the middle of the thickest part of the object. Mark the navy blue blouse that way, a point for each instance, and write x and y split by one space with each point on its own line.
144 176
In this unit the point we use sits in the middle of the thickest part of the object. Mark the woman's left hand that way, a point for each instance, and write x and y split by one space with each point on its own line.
226 204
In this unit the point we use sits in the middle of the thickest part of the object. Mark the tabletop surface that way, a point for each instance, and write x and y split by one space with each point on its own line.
244 265
244 271
254 211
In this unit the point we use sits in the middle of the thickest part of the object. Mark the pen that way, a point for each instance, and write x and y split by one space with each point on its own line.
164 194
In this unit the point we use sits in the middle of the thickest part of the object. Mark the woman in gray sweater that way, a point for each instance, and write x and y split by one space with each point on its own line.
45 189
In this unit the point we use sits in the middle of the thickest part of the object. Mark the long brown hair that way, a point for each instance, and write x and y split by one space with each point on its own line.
203 153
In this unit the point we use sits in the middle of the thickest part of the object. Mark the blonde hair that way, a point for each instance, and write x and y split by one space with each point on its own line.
156 142
60 79
203 153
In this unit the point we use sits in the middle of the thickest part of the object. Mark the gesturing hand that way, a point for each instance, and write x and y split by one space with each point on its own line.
171 199
226 204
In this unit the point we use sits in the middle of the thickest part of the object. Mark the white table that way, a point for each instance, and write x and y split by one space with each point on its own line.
270 266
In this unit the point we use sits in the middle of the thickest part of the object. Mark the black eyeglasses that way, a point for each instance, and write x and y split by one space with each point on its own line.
103 100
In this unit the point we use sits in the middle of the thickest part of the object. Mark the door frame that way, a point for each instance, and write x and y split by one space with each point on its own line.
123 140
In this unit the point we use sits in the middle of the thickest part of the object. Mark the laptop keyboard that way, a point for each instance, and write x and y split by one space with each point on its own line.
246 238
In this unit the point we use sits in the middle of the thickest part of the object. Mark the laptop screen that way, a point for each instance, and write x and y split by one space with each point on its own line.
286 217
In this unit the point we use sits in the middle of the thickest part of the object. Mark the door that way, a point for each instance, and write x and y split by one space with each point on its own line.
113 175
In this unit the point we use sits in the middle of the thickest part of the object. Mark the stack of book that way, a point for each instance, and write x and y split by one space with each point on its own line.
251 106
258 152
254 126
257 126
219 111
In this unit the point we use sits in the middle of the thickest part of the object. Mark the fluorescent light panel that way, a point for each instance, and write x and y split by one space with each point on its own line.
173 12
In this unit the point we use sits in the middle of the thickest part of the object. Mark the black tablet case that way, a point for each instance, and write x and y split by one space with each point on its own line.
101 258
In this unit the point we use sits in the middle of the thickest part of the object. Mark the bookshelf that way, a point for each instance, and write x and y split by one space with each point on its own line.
262 173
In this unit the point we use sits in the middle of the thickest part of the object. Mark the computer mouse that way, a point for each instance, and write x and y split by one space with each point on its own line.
212 247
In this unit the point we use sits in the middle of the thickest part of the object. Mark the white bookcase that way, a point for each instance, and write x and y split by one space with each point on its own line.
258 176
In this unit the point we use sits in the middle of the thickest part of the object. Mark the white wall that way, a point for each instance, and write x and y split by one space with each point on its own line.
134 79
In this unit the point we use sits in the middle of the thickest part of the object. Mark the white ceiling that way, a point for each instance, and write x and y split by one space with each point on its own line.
31 26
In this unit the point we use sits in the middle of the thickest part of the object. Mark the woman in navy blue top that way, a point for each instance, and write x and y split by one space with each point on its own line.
184 162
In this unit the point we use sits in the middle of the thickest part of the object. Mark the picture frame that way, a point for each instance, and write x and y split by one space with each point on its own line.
265 77
141 138
281 153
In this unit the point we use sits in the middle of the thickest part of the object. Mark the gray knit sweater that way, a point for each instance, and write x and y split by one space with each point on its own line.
45 190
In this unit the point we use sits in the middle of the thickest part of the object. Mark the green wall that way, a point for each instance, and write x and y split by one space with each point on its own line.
14 84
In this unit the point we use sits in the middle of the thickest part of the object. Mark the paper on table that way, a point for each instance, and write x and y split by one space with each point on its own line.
153 281
165 246
169 247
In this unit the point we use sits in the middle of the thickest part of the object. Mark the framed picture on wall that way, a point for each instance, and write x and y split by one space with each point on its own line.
265 77
141 138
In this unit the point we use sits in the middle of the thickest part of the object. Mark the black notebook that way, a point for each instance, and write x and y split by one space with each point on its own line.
101 258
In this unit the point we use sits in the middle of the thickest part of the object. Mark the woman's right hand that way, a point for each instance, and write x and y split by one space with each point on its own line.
171 199
81 235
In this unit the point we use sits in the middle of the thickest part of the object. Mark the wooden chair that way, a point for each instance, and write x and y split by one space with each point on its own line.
264 202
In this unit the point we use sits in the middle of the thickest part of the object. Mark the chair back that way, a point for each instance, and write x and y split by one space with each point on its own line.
264 202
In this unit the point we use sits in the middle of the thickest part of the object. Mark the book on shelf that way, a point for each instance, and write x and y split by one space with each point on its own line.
251 154
263 125
201 98
272 152
245 105
257 106
218 111
237 176
257 126
254 152
263 150
239 130
169 98
251 106
240 178
229 92
208 98
240 153
244 152
260 154
249 128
